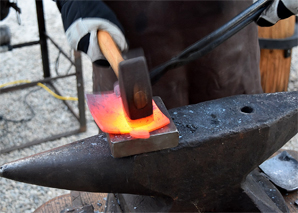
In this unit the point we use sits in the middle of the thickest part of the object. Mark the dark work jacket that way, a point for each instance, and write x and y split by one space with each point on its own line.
164 28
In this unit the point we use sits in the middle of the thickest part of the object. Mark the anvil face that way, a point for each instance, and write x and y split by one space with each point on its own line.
163 138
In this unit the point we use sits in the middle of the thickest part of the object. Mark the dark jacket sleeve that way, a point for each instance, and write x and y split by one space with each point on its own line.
73 10
86 12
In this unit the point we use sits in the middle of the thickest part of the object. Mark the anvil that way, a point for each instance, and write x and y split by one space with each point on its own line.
221 143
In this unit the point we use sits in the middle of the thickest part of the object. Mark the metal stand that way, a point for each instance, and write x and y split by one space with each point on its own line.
43 37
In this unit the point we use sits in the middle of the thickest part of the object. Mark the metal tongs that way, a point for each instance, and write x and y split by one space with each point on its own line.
209 42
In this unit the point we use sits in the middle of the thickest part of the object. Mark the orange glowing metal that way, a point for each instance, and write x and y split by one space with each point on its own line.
107 111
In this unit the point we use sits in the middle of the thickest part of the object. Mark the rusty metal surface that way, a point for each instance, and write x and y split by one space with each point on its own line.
221 142
282 170
163 138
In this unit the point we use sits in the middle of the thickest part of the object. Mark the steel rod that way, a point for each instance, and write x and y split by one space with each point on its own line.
80 90
240 18
23 44
43 38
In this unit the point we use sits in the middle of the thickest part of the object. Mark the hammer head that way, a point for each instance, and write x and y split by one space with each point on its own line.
135 88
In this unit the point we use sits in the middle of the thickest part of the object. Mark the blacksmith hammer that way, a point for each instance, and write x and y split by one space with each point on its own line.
133 76
136 94
221 142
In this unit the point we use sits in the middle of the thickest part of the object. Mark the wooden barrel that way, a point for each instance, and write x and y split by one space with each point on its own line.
274 66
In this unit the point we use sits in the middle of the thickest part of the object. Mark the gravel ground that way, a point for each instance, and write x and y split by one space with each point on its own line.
51 116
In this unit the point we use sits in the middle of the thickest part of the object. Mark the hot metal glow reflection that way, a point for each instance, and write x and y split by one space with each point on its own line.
108 112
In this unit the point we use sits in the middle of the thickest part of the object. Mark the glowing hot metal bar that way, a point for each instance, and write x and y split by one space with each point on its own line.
108 112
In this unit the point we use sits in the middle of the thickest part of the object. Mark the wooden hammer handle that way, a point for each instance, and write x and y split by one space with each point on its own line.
109 50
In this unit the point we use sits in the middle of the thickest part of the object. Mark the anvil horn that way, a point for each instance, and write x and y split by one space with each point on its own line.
221 142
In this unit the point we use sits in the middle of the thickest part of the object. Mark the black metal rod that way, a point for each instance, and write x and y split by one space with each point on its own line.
80 90
225 28
216 42
209 42
57 46
23 44
43 38
33 83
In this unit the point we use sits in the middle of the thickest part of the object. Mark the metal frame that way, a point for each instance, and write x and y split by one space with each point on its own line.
43 37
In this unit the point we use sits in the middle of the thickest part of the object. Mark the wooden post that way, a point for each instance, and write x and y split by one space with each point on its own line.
274 66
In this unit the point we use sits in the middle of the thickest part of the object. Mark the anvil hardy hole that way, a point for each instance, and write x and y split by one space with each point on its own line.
247 109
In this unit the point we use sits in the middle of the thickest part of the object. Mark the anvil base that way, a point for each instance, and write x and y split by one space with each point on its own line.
123 145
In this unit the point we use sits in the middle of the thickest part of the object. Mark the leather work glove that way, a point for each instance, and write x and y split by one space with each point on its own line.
279 9
82 20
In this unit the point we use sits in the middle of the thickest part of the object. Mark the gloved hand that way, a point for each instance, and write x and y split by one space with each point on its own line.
82 20
279 9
